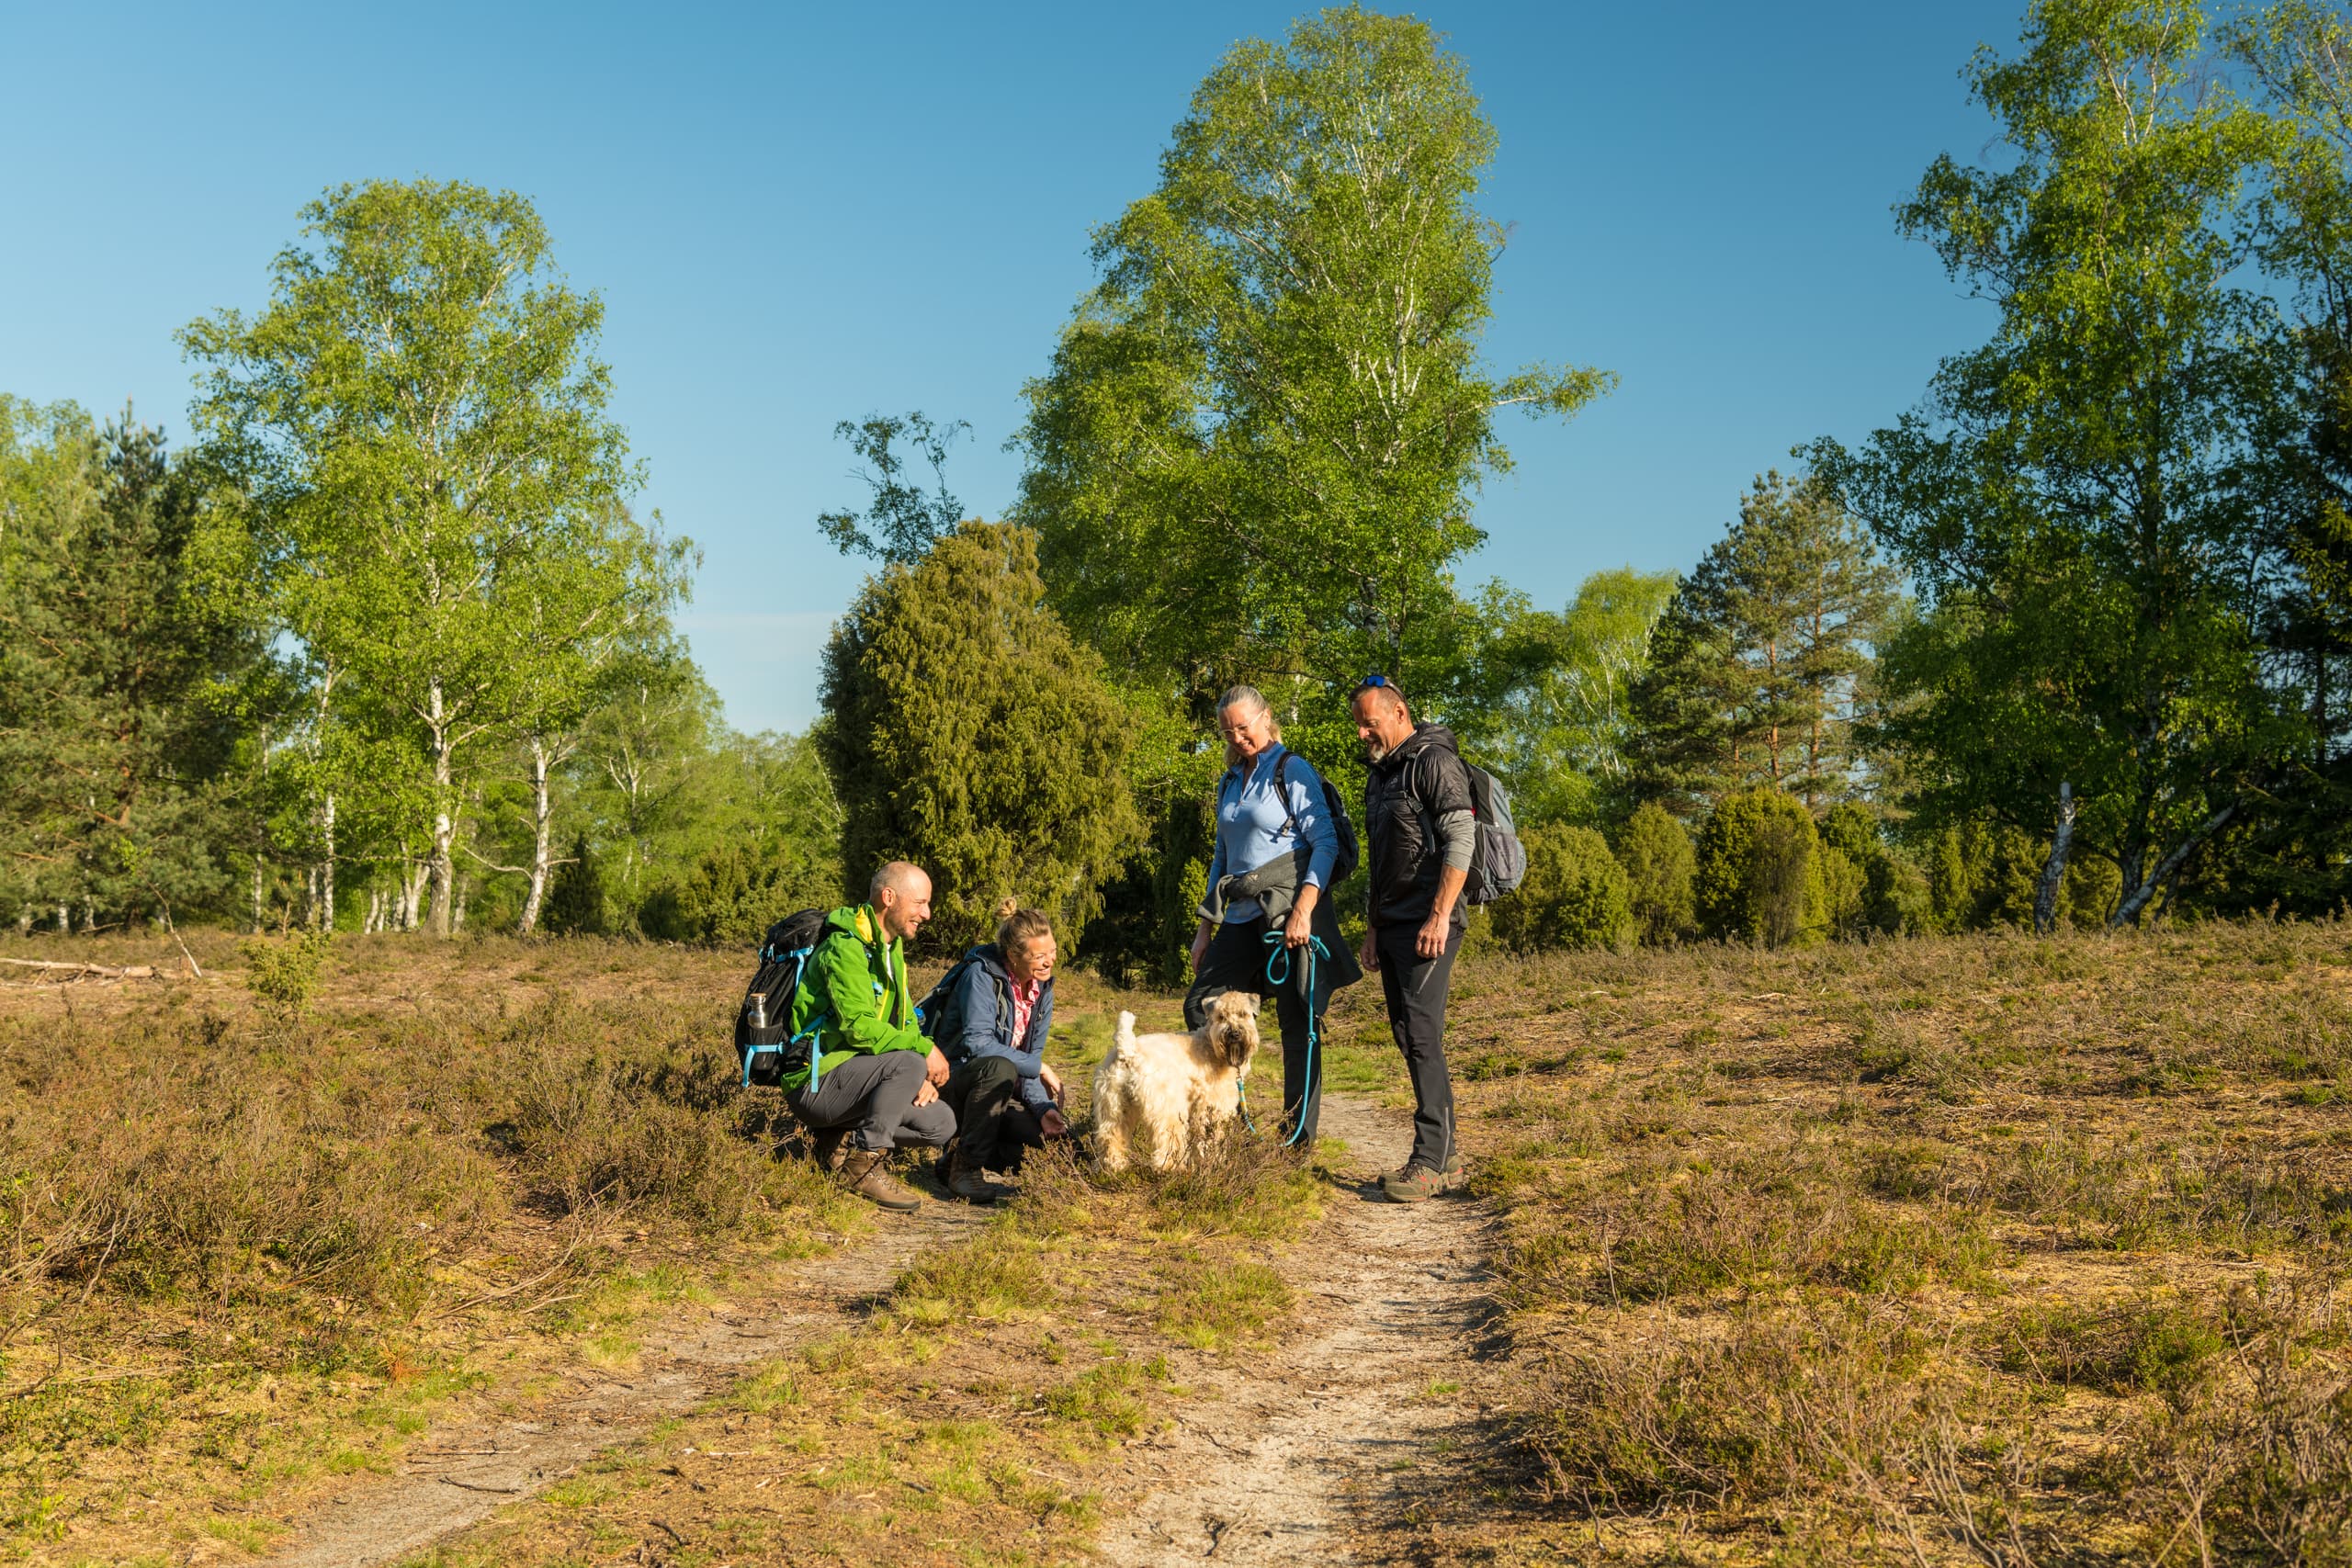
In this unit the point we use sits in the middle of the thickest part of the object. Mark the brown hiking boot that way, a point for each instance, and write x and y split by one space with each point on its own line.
969 1182
861 1171
827 1147
1415 1183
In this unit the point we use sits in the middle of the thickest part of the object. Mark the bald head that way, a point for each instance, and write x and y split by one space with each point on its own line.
900 893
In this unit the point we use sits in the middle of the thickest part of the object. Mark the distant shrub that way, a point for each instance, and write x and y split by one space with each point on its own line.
1575 895
1758 877
1886 891
1655 849
576 897
733 894
284 975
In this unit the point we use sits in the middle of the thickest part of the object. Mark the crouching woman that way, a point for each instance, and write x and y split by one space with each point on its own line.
992 1028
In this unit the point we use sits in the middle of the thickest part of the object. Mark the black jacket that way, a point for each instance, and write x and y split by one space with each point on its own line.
1404 794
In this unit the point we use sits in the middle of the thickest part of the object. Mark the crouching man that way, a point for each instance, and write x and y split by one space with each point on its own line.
877 1080
993 1020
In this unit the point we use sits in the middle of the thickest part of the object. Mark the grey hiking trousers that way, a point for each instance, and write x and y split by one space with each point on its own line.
875 1098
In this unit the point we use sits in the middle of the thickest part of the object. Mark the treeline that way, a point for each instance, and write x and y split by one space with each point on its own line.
385 648
2063 643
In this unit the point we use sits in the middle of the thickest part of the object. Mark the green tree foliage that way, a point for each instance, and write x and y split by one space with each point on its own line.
1575 895
966 731
576 903
1754 669
1655 849
1563 726
2073 498
419 422
1875 886
120 661
1252 456
905 519
1759 875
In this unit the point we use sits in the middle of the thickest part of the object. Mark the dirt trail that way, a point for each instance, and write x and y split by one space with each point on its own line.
1313 1461
459 1474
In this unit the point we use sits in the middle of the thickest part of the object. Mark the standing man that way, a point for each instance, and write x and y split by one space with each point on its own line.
1420 830
875 1082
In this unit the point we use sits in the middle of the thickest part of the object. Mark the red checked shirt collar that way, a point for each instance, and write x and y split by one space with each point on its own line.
1024 1003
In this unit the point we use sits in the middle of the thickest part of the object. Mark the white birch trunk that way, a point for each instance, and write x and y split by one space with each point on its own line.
25 921
445 821
65 921
256 896
542 820
2053 874
326 872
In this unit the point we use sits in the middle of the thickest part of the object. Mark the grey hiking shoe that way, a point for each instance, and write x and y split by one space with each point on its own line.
863 1172
1412 1184
1417 1182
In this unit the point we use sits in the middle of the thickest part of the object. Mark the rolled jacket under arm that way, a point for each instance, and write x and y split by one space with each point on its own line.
1273 888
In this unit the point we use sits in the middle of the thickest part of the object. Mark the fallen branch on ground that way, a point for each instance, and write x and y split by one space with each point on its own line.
86 971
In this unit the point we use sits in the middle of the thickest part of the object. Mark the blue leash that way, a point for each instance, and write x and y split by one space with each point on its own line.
1280 953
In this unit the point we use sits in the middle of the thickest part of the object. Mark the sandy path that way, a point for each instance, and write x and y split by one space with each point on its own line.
457 1476
1314 1464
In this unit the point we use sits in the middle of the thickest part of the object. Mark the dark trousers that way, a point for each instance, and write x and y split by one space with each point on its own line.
874 1098
1416 989
1236 960
993 1123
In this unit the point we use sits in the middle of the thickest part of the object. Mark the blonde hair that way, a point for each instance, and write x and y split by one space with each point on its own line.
1251 702
1019 929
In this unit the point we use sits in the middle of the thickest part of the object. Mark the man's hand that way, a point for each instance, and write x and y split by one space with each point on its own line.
1201 946
1369 954
1430 941
1051 1080
934 1072
925 1093
1050 1123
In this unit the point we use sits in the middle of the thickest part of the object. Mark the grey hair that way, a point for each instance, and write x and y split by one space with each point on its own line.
895 877
1251 702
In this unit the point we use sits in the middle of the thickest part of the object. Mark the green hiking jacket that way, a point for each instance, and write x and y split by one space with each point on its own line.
856 983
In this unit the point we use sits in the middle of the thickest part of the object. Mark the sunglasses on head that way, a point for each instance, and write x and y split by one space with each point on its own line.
1376 680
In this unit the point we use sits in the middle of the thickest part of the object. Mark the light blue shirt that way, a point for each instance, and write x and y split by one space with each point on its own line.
1253 824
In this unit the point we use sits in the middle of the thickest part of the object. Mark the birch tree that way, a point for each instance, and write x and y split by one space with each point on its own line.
2074 498
419 421
1254 452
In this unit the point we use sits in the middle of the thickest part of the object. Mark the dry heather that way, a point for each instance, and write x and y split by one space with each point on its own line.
247 1247
1988 1249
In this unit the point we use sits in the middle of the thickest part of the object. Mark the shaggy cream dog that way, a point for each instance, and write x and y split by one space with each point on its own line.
1164 1095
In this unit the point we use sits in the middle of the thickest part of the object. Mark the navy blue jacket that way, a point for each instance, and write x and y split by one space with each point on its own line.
985 995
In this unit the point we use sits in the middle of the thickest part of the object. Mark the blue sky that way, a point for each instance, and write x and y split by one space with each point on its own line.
801 214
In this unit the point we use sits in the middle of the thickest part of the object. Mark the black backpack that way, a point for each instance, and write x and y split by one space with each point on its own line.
940 1014
1343 865
764 1034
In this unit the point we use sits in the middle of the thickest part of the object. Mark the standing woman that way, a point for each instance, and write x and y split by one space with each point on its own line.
1267 925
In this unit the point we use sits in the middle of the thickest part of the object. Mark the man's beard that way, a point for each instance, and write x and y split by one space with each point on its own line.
1375 748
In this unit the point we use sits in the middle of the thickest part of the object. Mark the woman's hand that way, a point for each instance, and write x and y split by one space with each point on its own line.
1201 946
1300 927
1050 1123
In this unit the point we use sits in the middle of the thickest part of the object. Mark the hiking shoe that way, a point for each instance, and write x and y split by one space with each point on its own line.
1415 1183
863 1172
828 1148
969 1182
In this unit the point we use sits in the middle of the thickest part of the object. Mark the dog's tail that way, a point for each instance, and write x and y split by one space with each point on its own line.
1126 1033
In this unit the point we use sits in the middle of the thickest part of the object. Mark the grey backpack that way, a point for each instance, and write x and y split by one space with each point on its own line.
1497 860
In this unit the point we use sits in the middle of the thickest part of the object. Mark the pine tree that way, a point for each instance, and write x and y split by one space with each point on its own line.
1755 667
966 731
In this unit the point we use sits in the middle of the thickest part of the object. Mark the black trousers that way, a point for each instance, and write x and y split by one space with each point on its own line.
873 1097
1236 960
993 1123
1415 987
